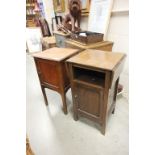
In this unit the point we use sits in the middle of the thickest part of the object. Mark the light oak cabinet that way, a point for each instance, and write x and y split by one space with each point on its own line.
94 77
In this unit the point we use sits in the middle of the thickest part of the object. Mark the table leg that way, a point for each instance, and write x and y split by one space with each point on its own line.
115 94
113 111
44 94
76 116
75 110
63 96
103 126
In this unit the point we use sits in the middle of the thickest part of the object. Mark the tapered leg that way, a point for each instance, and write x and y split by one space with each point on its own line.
63 96
44 94
103 126
115 95
74 96
75 114
113 111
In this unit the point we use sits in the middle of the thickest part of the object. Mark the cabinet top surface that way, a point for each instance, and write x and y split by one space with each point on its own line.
61 33
49 40
88 46
98 59
55 53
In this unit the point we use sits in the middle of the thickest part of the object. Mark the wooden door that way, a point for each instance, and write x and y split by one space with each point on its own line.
88 100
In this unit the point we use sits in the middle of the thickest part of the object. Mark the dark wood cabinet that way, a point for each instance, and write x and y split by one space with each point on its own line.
94 79
52 71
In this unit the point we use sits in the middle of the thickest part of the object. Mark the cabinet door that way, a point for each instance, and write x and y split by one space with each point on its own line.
48 72
89 100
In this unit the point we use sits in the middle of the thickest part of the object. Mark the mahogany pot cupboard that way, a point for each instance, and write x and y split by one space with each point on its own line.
51 69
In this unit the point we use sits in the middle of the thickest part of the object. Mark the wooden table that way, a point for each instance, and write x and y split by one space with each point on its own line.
94 77
48 42
104 45
52 72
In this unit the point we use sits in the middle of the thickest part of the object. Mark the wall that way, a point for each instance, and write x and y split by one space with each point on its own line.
49 13
118 32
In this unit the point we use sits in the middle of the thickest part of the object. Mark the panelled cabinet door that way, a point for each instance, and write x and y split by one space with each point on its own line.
88 99
48 72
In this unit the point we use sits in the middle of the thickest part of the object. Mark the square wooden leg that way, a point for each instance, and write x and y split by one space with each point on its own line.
75 108
113 111
63 96
103 127
44 95
76 116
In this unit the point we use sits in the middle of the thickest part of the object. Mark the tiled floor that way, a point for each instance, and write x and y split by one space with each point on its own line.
53 133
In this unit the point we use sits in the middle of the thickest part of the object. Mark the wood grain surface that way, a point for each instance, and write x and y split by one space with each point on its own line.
88 46
96 58
55 53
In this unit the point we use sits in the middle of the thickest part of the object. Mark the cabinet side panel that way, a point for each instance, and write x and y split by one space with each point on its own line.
48 72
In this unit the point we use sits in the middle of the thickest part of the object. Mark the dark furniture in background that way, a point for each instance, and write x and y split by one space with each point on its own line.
94 77
42 22
55 22
52 72
30 15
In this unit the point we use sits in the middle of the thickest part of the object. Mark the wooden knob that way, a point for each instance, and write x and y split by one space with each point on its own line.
75 96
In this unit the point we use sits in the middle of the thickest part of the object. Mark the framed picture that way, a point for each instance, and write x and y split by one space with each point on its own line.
100 13
85 6
33 39
59 5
